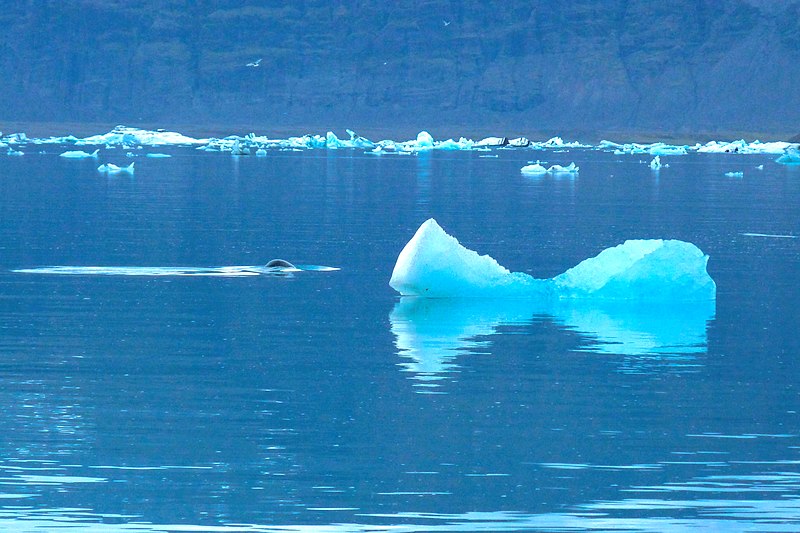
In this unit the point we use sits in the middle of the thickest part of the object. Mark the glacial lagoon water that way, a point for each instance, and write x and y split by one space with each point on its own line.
324 401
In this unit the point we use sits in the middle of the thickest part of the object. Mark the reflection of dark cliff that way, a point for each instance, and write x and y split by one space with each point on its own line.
583 66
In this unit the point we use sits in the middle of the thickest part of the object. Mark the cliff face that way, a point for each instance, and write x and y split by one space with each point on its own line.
580 66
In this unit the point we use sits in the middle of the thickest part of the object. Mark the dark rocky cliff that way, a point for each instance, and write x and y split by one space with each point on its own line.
583 67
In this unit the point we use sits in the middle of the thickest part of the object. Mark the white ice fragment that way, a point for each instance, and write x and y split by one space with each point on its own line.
734 174
450 144
13 152
332 142
157 155
489 142
666 149
79 154
519 142
357 141
655 164
569 169
239 149
261 153
111 168
434 264
537 169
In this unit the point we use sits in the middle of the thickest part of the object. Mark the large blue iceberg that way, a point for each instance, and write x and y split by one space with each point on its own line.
433 264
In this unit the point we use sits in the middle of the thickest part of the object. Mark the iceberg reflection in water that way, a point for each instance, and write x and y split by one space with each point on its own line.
431 333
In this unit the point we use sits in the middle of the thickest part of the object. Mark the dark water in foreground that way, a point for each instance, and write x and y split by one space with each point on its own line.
261 403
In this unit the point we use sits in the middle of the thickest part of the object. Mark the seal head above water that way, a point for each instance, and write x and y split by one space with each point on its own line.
279 263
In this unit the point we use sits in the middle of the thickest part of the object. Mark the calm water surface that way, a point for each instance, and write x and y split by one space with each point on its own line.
283 403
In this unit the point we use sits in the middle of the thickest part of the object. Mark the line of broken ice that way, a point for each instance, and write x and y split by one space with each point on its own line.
251 144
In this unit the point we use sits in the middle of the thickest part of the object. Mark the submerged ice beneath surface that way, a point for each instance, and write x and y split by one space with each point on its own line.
434 264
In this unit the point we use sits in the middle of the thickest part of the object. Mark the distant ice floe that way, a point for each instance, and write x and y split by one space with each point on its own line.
130 137
111 168
656 163
79 154
656 149
743 147
434 264
736 174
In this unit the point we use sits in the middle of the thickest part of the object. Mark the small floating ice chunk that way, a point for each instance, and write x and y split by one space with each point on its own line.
656 164
332 142
519 142
157 155
238 149
434 264
111 168
424 141
537 169
79 154
572 168
738 174
450 144
13 152
743 147
261 153
357 141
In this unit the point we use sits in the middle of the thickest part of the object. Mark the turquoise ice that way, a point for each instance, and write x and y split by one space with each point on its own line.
433 264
